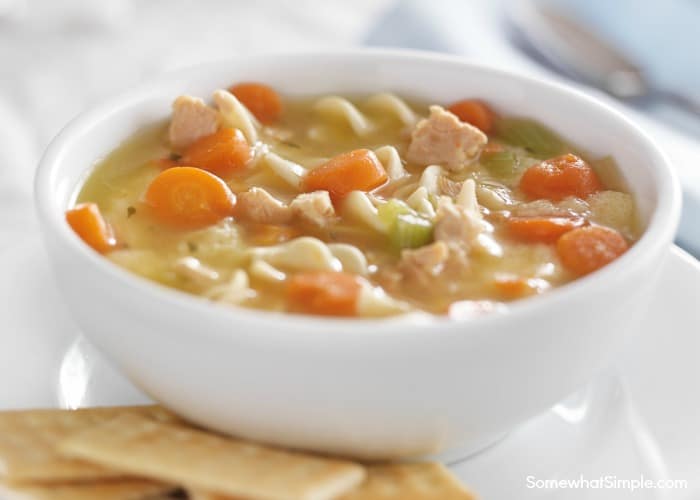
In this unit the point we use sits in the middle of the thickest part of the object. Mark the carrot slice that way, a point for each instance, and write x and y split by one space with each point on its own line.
474 112
324 292
87 221
222 153
189 198
516 287
269 234
557 178
586 249
261 100
357 170
541 229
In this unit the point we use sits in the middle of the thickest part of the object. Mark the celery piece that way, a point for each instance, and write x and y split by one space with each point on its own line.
410 231
500 163
406 229
389 211
532 136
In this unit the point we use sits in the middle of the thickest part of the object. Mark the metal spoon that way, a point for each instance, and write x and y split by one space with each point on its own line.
576 51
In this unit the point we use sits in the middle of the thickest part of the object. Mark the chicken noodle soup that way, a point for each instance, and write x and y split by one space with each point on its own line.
353 206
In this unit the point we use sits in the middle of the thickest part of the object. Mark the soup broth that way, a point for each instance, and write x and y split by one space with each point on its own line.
353 205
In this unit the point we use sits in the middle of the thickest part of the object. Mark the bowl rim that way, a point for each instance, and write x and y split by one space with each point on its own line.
658 233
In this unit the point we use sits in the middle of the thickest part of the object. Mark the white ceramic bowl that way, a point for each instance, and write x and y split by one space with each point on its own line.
379 388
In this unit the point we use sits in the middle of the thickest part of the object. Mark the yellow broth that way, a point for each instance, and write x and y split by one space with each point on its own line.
309 138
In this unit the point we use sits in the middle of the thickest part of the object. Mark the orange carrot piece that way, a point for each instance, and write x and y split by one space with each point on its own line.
516 287
474 112
261 100
87 221
586 249
326 293
189 198
222 153
270 234
557 178
357 170
541 229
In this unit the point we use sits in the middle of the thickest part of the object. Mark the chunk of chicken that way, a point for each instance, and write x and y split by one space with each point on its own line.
457 226
422 264
257 205
448 187
443 139
191 120
315 208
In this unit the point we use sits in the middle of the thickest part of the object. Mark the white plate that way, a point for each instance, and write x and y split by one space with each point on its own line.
641 419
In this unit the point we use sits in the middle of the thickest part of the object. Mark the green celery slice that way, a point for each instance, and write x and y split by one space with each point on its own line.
389 211
537 139
406 229
410 231
500 163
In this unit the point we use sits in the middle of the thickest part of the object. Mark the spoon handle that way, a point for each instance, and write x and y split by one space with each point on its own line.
678 100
